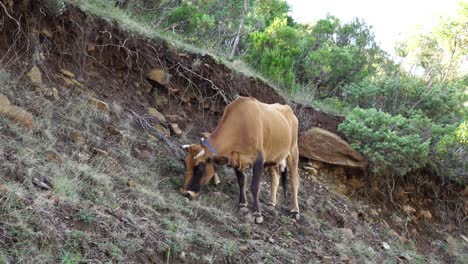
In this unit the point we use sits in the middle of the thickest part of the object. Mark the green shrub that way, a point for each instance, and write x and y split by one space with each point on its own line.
396 146
190 19
407 95
393 145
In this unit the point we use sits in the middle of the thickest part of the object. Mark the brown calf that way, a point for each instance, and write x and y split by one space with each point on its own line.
250 134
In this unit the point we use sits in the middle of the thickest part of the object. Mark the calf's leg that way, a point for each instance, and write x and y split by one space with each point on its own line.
274 184
255 189
293 163
242 197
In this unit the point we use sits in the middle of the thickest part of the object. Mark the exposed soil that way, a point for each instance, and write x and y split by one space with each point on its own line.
111 63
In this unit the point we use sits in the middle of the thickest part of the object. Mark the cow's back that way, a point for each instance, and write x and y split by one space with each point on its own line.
249 126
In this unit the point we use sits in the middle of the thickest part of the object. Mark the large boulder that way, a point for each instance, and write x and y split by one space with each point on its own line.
157 75
323 145
15 113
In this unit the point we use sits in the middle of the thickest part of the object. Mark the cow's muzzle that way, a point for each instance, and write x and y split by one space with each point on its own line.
189 194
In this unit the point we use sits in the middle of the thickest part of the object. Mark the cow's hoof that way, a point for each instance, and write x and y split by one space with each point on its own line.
295 215
244 210
258 218
271 209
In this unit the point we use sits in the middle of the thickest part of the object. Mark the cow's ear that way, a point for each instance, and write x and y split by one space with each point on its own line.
221 160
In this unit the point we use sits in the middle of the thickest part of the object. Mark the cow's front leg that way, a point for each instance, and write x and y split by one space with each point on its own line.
242 197
255 189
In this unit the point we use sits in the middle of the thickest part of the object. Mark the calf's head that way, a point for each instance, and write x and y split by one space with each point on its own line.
200 169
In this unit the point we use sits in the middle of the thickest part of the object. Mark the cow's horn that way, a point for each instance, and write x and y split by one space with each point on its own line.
185 146
201 153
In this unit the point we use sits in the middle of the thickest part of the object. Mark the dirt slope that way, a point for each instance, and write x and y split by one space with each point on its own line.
113 194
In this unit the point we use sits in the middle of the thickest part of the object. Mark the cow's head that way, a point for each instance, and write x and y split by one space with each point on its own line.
200 169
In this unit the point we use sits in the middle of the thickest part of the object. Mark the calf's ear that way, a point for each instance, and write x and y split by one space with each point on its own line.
220 160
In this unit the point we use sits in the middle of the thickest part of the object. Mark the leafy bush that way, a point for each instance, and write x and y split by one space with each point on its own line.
406 95
190 19
397 146
393 145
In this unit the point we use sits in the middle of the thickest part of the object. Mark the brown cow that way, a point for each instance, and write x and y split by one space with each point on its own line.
250 133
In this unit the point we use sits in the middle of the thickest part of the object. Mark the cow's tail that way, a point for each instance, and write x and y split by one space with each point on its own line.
284 175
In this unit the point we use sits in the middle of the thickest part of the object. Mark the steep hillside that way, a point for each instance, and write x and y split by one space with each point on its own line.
90 166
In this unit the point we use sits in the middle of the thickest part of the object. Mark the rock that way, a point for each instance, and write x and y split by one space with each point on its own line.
90 47
55 93
99 105
373 213
122 134
48 92
173 91
426 214
162 129
182 255
155 113
35 75
327 260
67 73
450 240
15 113
4 102
347 233
77 137
46 32
404 256
100 152
408 209
385 245
145 155
465 191
243 248
4 189
55 157
175 118
115 131
131 183
271 240
151 138
184 99
72 82
158 75
403 240
344 258
464 238
175 129
41 184
322 145
161 101
68 82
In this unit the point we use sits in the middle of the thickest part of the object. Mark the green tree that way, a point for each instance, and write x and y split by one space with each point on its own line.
275 51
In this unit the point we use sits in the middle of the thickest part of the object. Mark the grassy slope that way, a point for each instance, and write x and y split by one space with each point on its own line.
124 206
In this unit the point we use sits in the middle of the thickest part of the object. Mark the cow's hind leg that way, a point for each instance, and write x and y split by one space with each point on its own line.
293 163
242 197
274 184
255 188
